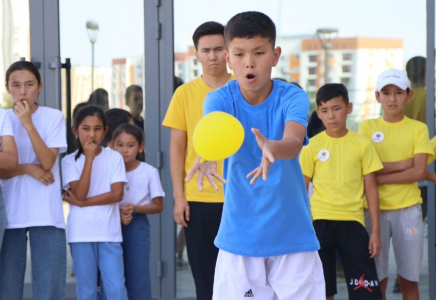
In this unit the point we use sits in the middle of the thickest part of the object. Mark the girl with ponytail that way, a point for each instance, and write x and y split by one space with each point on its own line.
94 177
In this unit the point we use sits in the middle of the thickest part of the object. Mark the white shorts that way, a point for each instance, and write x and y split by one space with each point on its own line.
292 276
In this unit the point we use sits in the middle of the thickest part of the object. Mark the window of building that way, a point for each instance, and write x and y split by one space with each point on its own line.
311 82
347 56
346 81
312 71
346 69
312 58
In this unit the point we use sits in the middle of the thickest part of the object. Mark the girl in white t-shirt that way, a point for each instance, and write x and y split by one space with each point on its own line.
143 195
94 178
32 192
8 160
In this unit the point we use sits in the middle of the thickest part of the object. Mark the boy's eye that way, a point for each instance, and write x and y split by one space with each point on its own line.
238 54
259 53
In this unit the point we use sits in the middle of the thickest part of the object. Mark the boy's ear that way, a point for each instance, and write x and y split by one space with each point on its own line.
349 108
410 95
317 112
105 130
196 55
227 56
377 96
7 88
277 53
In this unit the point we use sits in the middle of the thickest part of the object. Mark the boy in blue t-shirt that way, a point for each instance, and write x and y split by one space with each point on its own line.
268 247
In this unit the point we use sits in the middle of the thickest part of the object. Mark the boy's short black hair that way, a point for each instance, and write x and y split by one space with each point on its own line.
208 28
331 90
250 24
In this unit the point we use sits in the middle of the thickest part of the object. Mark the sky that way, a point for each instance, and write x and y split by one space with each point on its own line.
121 22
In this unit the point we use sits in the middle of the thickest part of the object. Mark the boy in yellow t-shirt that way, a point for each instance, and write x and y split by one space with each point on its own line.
341 165
397 140
198 212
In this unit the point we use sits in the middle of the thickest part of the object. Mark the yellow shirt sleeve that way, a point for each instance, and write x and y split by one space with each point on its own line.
363 130
175 116
371 162
422 144
306 161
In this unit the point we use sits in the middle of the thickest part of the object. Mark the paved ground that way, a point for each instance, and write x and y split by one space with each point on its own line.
186 289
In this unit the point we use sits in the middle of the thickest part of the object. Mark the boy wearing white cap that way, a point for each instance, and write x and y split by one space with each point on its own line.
403 146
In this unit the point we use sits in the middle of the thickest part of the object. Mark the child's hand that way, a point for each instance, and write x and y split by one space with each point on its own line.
204 168
37 172
128 209
89 149
126 219
22 111
71 199
374 246
267 157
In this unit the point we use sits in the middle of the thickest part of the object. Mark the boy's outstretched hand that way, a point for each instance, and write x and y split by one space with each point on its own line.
267 157
205 168
374 246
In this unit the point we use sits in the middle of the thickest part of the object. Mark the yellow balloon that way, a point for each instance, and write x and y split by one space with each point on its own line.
217 136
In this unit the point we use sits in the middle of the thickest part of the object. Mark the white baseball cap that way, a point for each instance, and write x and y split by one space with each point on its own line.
395 77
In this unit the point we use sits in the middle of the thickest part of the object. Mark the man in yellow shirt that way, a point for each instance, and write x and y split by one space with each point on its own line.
341 165
399 140
198 212
416 108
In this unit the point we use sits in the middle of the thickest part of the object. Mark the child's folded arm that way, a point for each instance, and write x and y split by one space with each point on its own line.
155 207
396 166
17 171
430 176
115 195
417 173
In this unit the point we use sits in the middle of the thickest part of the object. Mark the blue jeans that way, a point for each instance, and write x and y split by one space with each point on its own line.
2 218
48 253
136 247
88 258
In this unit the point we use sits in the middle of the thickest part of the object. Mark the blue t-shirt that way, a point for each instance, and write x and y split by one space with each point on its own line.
268 218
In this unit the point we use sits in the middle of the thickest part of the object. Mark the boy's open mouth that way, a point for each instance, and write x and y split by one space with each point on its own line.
250 76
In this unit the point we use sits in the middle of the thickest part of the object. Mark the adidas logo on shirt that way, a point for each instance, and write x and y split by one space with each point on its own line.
249 293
